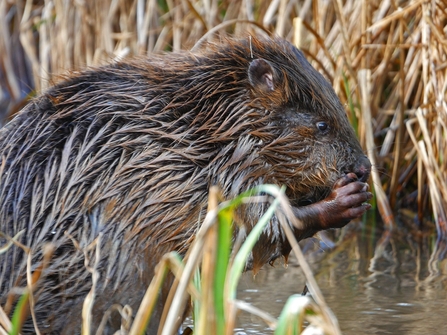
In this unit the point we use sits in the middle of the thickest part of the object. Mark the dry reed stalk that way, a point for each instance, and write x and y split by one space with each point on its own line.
364 81
249 308
400 120
5 323
170 318
88 304
208 324
10 80
168 262
330 321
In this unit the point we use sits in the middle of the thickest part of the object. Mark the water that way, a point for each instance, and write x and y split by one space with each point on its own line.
374 282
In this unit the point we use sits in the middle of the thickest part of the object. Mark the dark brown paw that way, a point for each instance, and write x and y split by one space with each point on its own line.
347 201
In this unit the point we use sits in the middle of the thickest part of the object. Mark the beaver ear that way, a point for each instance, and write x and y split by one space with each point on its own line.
261 74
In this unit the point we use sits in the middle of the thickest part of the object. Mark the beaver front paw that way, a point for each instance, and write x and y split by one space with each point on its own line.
346 201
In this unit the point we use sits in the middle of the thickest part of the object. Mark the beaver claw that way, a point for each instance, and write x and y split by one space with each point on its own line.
346 201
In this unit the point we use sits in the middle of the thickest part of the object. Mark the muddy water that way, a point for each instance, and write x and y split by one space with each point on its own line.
375 283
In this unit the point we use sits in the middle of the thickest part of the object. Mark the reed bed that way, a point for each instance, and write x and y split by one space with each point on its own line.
386 59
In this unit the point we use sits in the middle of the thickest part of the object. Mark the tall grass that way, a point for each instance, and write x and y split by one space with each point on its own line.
386 59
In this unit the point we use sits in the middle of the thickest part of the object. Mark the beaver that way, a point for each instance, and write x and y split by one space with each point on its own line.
129 151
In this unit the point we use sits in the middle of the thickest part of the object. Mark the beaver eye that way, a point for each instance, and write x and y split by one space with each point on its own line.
322 126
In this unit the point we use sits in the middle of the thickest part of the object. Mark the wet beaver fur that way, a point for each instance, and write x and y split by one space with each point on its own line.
130 150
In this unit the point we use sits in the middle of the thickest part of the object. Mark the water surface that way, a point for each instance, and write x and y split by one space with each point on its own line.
375 282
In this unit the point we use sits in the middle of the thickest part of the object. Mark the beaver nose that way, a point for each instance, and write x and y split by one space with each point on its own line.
363 168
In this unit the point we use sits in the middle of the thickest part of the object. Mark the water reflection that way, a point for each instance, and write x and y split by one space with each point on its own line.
375 283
